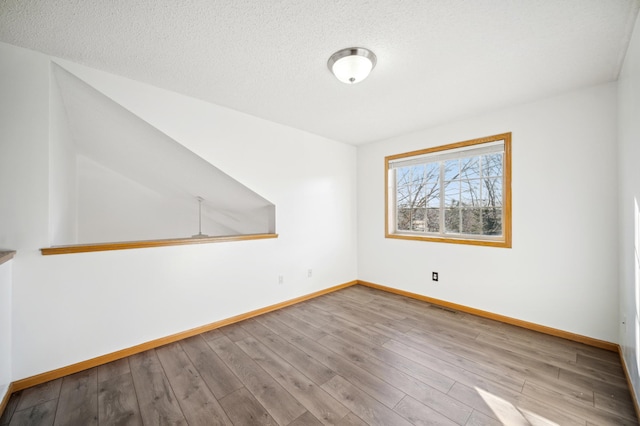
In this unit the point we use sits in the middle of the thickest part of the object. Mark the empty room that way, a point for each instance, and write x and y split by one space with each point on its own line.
319 212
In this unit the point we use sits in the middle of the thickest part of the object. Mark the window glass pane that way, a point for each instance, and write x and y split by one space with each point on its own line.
433 220
404 219
410 176
410 186
492 165
451 170
492 192
402 174
471 221
432 172
417 174
432 197
452 194
452 220
418 220
470 193
491 221
470 168
403 195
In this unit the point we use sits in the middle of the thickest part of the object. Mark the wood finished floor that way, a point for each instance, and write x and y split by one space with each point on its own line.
358 356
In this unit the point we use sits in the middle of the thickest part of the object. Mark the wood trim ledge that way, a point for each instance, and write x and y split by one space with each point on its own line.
104 359
83 248
6 255
507 320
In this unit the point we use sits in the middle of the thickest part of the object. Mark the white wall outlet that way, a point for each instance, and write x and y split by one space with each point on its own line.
280 279
309 273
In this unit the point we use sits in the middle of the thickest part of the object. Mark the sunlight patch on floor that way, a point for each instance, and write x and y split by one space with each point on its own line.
509 414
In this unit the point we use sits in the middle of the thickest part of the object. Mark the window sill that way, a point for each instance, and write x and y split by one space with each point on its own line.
83 248
468 241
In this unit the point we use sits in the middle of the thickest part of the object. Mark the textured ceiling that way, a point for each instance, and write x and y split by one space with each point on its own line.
438 60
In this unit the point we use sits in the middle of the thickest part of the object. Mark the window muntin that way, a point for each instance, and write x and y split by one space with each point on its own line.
458 193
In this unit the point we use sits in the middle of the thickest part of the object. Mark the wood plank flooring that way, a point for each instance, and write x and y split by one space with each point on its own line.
358 356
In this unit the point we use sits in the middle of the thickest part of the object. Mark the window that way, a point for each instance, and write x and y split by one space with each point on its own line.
457 193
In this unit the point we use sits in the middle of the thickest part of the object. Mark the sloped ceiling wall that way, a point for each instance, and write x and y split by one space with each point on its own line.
111 145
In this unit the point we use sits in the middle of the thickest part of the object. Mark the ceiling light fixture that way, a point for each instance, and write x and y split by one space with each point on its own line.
352 65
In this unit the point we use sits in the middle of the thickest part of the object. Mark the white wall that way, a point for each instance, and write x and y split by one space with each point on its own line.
70 308
5 327
561 271
629 217
24 153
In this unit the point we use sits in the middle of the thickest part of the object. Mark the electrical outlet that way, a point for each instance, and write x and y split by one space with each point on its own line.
434 276
309 273
280 279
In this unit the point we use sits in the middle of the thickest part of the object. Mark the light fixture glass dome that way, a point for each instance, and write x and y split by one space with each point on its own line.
352 65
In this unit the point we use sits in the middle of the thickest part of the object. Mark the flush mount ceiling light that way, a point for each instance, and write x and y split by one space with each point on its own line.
352 65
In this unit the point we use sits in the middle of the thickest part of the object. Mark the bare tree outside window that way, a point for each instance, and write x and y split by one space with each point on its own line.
418 194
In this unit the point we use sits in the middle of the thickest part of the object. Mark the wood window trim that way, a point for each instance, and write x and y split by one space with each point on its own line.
506 242
124 245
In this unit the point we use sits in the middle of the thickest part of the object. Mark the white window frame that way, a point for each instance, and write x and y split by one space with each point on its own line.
487 145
